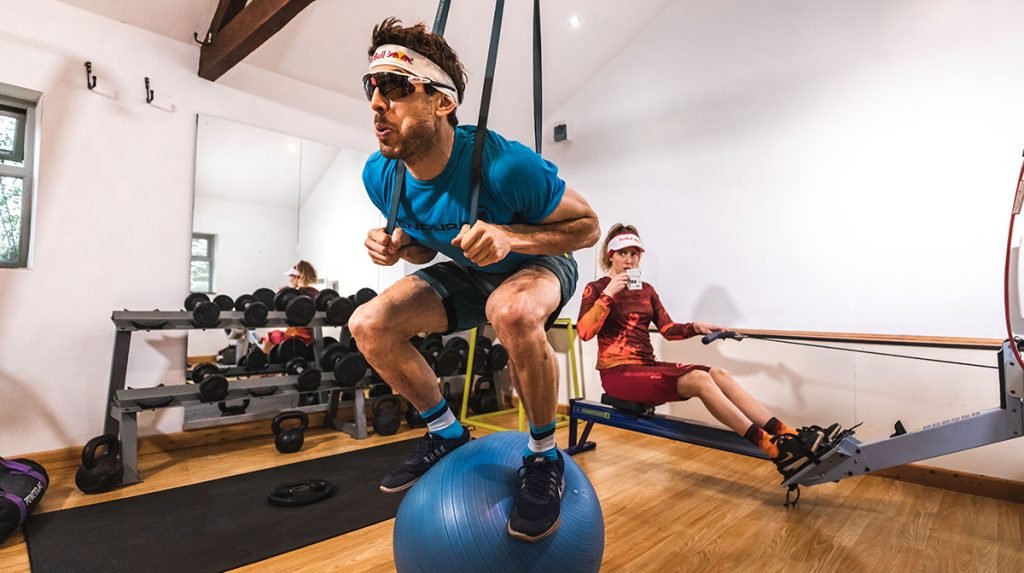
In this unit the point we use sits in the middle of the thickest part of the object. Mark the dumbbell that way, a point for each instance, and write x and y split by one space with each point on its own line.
254 312
489 357
298 307
449 360
348 367
204 312
430 348
224 302
213 386
255 360
264 295
288 348
309 378
347 340
337 309
363 296
385 414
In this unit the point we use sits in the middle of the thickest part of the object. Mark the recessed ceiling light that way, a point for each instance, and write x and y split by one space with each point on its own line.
574 21
293 148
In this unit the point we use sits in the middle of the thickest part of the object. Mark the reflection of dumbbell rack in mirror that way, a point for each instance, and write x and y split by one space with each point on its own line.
235 391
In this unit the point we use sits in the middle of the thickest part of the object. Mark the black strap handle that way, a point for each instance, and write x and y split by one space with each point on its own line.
485 103
398 188
442 16
538 86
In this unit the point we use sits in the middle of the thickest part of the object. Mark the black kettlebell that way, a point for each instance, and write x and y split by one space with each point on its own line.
385 414
289 440
100 472
484 398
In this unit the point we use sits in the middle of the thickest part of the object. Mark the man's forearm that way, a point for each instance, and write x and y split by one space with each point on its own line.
554 238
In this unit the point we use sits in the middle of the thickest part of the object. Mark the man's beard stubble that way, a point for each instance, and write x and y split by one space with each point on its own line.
416 142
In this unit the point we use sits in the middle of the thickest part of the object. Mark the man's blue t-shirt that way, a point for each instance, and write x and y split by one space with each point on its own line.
518 186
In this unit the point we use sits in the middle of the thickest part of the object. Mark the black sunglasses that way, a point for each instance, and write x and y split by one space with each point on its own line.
393 85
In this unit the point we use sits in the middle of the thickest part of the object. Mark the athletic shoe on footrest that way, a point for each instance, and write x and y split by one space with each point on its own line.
817 439
428 452
794 455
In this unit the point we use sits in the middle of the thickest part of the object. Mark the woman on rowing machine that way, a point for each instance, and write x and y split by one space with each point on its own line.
619 307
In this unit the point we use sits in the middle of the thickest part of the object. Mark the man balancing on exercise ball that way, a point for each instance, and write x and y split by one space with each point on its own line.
512 267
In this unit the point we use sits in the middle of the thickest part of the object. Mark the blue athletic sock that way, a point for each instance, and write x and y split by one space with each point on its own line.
441 421
542 442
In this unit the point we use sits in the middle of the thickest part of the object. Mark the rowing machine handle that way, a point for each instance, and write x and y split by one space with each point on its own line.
709 338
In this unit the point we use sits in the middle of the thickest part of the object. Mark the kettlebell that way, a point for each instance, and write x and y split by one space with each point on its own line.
100 472
385 414
484 398
289 440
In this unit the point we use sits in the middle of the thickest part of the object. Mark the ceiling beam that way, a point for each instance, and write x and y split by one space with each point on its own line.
256 23
226 12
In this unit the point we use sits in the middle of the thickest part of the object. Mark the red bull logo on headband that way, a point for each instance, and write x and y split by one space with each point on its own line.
401 56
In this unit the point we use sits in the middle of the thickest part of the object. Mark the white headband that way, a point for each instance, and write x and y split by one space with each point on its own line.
415 63
625 241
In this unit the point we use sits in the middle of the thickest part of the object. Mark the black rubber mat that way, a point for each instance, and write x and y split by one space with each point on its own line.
219 524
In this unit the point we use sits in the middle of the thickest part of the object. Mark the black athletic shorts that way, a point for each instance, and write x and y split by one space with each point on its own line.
464 290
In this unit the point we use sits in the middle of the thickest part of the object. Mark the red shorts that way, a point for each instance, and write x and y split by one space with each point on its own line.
647 383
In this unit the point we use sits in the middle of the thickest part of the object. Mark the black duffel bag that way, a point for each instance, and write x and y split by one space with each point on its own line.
22 485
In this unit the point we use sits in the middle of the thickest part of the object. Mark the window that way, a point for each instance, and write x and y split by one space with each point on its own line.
202 263
17 164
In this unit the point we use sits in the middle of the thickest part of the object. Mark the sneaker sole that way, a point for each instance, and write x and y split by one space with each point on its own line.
399 488
527 538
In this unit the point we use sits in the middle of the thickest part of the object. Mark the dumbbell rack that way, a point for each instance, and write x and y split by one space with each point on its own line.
126 403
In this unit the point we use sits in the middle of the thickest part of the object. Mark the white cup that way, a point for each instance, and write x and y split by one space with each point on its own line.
634 279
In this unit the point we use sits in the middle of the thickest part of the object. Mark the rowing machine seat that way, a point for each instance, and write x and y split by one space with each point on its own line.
631 408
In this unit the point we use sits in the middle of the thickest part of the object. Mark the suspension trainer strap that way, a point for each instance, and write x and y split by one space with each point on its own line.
485 104
398 188
538 86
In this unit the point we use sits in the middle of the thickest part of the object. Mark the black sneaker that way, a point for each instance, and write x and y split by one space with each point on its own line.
537 508
794 455
428 452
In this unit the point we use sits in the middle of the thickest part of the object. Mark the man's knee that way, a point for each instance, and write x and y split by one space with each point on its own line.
367 324
515 315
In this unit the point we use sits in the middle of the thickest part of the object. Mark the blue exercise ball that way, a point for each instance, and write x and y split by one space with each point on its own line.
456 516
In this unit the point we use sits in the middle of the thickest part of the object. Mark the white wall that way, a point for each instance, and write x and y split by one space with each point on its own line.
832 166
334 219
254 247
114 207
837 166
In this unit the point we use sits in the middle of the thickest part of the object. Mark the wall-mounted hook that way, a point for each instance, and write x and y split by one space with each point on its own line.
90 79
150 94
204 42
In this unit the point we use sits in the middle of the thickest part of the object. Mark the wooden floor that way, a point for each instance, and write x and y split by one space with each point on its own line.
667 507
